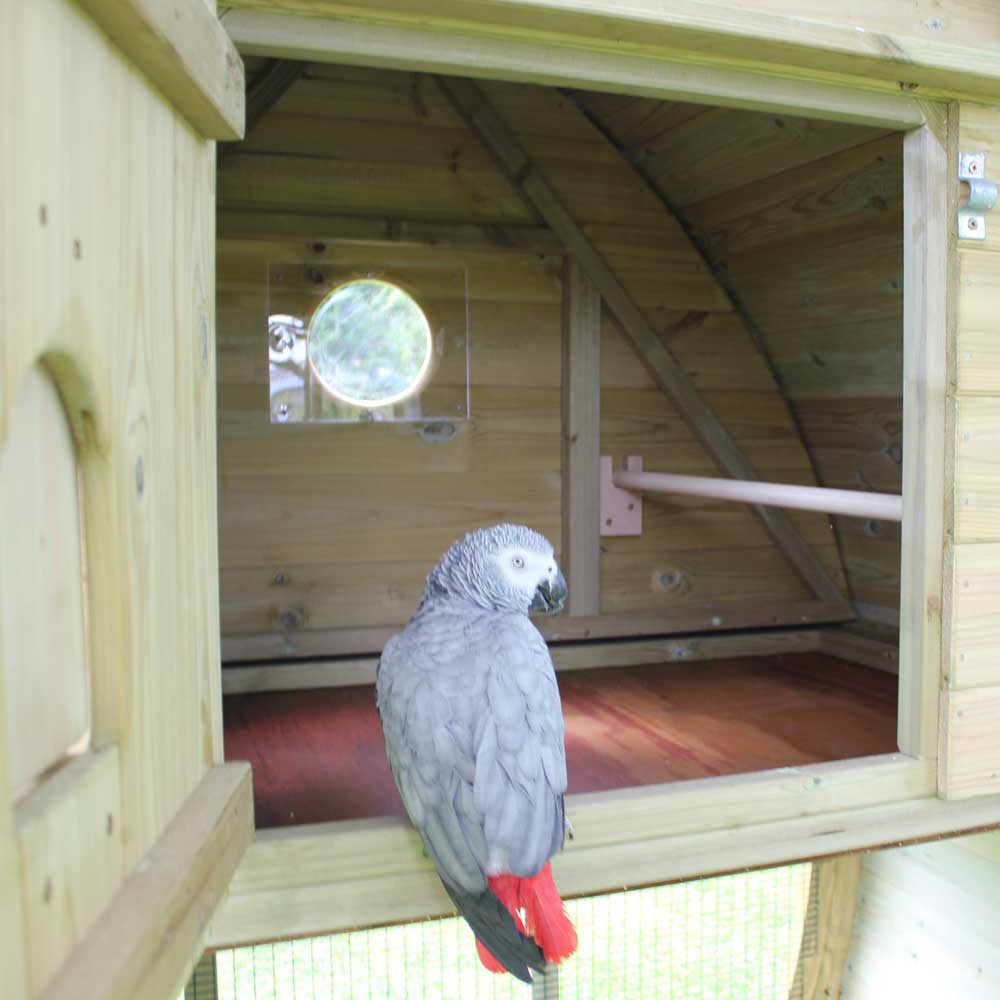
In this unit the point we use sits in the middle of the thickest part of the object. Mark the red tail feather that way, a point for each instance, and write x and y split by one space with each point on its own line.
486 957
538 911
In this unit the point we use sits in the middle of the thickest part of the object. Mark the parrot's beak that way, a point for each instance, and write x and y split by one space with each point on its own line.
550 595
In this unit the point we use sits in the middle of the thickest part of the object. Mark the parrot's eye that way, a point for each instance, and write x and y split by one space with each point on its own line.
518 562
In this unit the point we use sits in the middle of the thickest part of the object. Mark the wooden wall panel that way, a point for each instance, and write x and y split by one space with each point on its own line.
804 221
975 622
350 519
926 924
970 715
107 277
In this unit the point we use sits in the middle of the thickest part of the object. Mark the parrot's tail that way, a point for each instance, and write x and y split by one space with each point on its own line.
538 911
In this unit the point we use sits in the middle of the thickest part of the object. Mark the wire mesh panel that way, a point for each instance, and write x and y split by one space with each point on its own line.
736 937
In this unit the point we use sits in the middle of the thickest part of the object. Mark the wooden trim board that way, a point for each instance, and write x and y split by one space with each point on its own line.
183 49
565 62
858 648
715 618
878 45
147 941
925 377
580 656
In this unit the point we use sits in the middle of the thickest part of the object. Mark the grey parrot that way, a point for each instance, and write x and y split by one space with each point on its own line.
473 729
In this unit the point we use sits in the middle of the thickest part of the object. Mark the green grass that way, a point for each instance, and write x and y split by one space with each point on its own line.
730 938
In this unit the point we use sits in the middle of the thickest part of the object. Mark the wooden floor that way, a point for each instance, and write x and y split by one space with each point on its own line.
318 755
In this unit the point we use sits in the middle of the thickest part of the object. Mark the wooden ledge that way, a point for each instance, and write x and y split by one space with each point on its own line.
183 49
308 880
146 941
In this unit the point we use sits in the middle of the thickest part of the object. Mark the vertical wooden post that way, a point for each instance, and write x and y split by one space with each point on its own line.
834 893
581 439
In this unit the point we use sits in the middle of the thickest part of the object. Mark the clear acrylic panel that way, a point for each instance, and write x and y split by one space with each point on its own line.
349 343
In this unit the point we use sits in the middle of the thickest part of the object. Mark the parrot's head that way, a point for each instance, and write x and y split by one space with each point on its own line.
507 567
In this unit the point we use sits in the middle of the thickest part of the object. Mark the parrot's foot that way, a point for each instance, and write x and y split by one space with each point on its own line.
568 827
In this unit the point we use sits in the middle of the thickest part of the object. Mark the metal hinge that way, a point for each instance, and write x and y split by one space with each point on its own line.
982 196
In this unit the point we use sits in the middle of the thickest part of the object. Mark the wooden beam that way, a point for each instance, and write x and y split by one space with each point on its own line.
311 228
292 676
484 120
315 879
268 88
728 617
182 48
848 644
822 970
147 941
948 44
263 93
581 440
562 61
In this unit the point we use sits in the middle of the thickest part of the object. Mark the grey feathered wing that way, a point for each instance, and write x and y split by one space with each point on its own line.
473 730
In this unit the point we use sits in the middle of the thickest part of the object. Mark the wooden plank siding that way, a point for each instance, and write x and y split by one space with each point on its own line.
327 528
970 713
107 279
804 219
926 922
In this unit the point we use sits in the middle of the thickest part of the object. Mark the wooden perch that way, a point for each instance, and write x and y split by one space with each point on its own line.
854 503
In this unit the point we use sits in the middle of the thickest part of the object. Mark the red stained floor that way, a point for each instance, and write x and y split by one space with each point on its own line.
318 755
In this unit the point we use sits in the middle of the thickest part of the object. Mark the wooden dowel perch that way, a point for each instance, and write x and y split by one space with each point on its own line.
852 503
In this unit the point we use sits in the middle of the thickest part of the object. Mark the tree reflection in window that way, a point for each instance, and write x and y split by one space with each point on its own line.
369 343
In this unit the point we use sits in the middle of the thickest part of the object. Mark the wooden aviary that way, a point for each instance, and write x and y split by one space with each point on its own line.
722 235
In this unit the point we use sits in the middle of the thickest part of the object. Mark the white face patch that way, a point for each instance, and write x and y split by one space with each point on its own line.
524 570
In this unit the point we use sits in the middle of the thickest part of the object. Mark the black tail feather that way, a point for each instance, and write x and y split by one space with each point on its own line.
494 926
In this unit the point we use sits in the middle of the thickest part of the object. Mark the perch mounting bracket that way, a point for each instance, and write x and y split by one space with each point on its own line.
621 510
982 196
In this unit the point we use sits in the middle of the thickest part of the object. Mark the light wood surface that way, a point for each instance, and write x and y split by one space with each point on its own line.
823 971
314 879
44 654
974 627
180 46
970 739
970 750
793 46
148 940
68 880
925 925
108 281
926 303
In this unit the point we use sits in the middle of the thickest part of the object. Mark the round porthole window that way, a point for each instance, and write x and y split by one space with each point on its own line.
369 343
